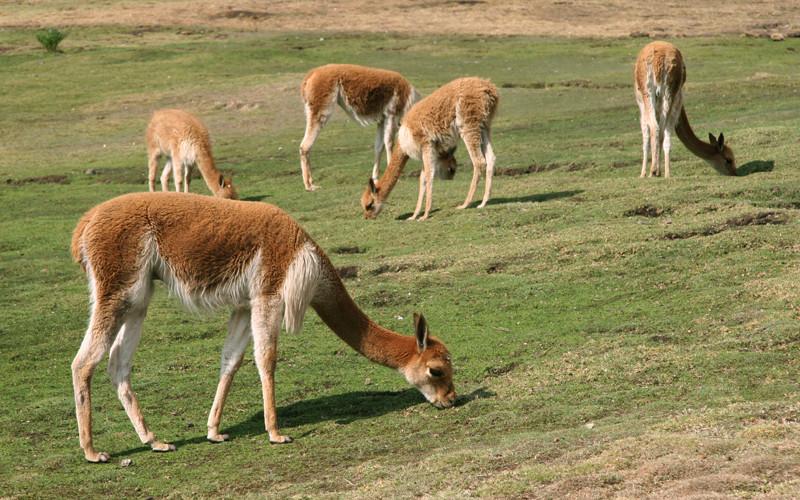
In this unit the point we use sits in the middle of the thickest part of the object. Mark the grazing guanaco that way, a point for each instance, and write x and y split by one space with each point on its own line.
185 140
211 252
462 108
659 75
366 94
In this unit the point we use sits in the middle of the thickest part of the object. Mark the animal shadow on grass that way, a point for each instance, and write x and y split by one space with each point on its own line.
755 166
530 198
409 214
341 408
257 197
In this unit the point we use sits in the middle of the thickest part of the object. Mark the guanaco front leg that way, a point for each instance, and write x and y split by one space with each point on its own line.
120 358
232 354
265 321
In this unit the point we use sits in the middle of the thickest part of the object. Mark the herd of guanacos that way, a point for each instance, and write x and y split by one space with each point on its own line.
257 260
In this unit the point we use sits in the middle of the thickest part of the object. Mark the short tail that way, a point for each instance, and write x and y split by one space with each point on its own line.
77 238
300 285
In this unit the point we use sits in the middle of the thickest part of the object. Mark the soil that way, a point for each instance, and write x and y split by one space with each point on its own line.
559 18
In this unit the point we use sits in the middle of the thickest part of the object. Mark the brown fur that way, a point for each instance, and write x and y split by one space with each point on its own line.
185 140
659 76
205 249
366 94
430 131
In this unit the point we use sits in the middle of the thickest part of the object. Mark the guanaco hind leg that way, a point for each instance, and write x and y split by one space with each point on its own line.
472 140
232 354
265 321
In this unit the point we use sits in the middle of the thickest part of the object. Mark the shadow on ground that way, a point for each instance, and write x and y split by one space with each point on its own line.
538 198
341 408
755 166
257 197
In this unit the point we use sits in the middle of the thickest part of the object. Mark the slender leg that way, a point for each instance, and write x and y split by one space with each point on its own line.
666 147
488 153
165 175
187 177
422 182
378 149
103 324
265 323
389 131
177 171
429 169
119 368
152 168
473 142
655 148
645 137
315 120
232 354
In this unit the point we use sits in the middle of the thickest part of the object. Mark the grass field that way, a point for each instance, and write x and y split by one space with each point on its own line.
598 352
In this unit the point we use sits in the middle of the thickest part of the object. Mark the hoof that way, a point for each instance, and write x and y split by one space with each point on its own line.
217 438
280 440
411 218
312 187
162 447
97 458
462 206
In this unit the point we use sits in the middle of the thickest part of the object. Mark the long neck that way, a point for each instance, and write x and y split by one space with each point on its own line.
335 307
205 162
685 133
393 171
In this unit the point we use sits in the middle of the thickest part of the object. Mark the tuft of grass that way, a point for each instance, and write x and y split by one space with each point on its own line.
51 38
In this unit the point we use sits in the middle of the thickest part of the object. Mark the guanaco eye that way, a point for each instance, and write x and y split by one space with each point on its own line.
370 206
435 372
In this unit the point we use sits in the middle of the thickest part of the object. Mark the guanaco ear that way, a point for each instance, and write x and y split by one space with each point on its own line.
421 331
721 141
712 139
372 187
221 181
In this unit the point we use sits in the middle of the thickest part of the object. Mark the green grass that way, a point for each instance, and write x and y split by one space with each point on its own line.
560 311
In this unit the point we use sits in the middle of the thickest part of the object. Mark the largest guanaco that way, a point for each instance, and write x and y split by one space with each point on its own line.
185 140
366 94
659 75
210 252
430 131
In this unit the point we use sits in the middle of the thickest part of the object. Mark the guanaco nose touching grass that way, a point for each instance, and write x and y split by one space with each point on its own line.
211 252
184 139
659 75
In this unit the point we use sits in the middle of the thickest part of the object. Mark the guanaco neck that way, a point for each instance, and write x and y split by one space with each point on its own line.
685 133
336 308
392 173
205 162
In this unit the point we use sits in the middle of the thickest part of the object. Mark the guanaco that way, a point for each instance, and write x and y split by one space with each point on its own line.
659 75
184 139
430 131
212 252
367 95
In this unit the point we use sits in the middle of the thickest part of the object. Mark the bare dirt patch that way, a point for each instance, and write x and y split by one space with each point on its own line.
589 18
759 219
646 210
347 272
46 179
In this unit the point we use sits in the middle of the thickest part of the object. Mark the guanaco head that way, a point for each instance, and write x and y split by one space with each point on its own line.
430 370
370 201
446 164
226 189
723 162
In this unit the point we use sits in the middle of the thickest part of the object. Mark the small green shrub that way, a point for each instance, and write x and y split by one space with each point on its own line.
50 38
